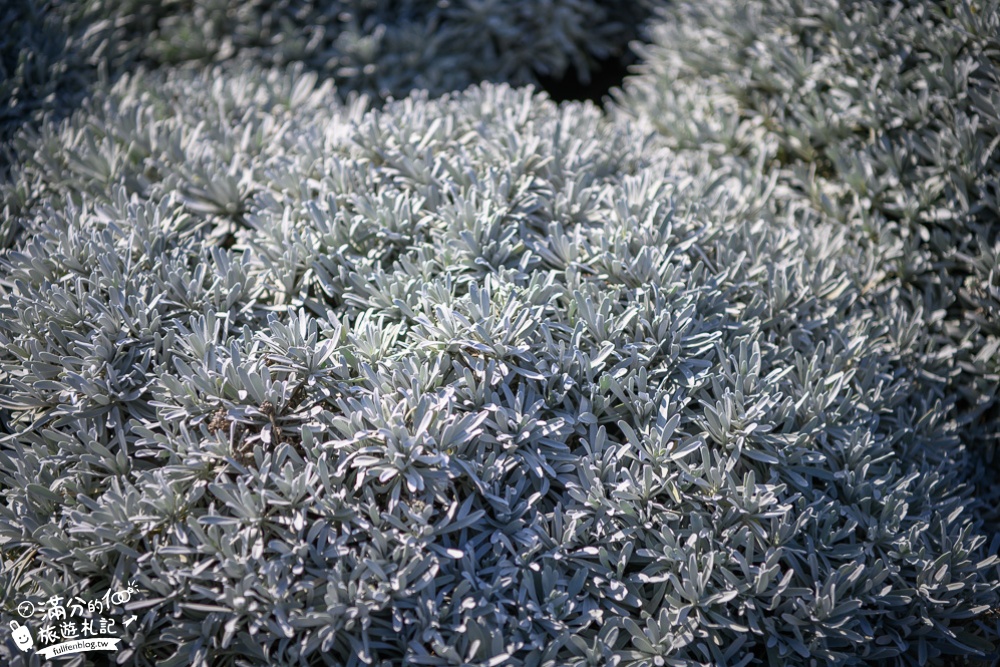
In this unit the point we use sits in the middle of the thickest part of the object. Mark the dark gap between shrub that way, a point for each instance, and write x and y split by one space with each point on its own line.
605 75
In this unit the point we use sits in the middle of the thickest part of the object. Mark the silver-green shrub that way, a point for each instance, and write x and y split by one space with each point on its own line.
882 117
475 380
52 54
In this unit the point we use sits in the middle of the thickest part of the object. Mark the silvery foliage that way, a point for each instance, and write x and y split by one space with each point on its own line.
476 380
882 118
51 54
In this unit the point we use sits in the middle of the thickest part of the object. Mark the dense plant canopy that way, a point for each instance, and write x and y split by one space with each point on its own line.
883 117
482 379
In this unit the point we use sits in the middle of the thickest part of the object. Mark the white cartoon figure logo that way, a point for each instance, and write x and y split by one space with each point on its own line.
22 636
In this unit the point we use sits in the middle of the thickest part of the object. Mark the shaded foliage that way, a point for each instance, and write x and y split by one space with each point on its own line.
52 54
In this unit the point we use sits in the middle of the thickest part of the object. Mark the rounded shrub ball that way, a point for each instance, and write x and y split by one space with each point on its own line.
473 380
